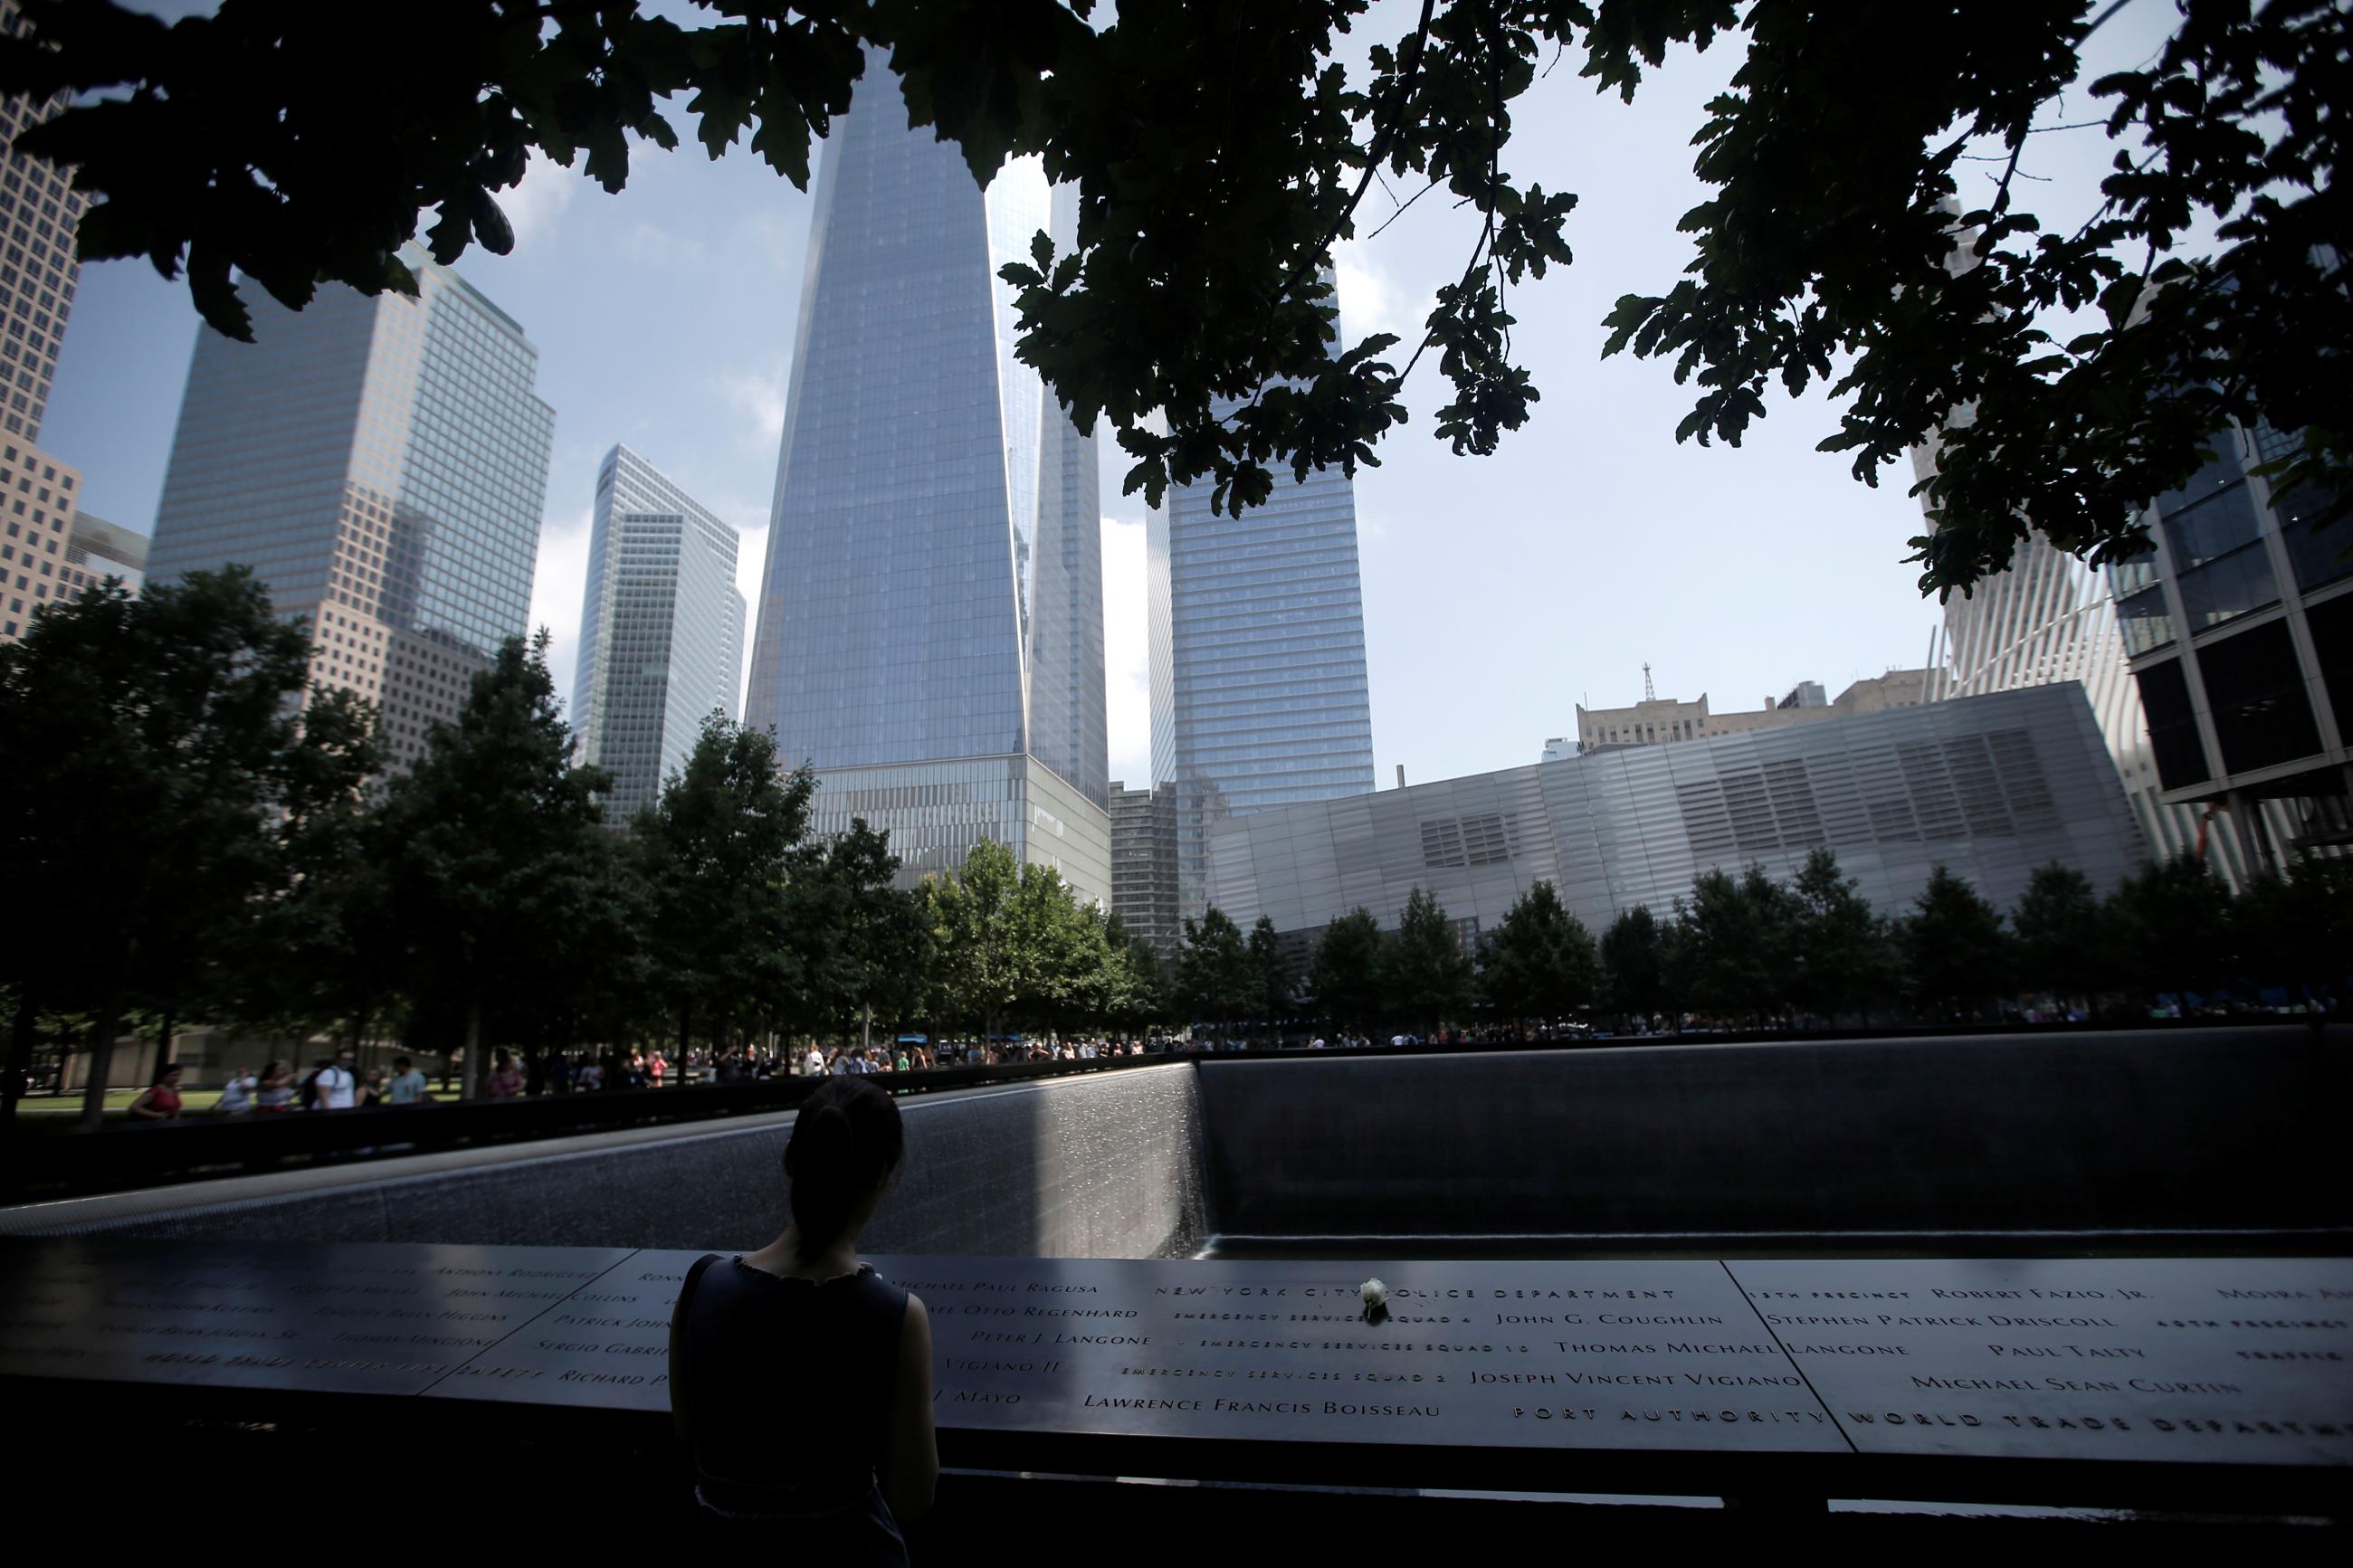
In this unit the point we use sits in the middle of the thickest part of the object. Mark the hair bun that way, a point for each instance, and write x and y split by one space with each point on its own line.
846 1137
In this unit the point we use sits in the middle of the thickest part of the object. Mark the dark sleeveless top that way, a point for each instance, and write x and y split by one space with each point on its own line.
786 1385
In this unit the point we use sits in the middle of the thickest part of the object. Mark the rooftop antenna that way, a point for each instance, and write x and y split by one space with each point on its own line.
1648 695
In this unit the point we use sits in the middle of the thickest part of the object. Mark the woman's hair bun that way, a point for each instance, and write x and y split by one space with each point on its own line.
846 1140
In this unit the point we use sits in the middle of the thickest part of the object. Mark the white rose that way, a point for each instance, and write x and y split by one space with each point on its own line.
1375 1294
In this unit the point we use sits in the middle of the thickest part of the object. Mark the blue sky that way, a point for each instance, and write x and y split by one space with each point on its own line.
1499 591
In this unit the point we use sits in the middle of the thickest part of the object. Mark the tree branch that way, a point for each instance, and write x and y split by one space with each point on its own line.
1383 135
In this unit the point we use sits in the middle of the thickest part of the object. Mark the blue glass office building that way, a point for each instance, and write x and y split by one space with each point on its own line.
931 616
661 629
1256 651
382 464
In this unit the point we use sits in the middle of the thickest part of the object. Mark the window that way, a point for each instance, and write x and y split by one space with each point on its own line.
2256 691
2332 644
2172 727
2228 586
2145 621
2319 556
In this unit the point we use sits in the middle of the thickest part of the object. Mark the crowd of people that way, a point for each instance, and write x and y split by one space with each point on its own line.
333 1083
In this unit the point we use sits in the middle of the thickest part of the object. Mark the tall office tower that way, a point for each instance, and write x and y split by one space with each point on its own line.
661 629
1144 864
2219 552
382 465
1257 649
2239 626
37 499
930 617
38 215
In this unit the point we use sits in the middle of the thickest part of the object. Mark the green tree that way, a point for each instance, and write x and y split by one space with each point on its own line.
856 937
1839 946
1273 984
1141 1000
492 843
1213 969
715 851
1426 975
2295 930
1066 979
2062 935
1344 974
1740 934
311 958
1957 955
241 144
2172 925
1541 961
1634 962
984 964
158 763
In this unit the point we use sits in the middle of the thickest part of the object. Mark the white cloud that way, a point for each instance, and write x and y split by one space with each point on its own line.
1127 674
1371 301
534 205
759 397
561 579
751 567
655 246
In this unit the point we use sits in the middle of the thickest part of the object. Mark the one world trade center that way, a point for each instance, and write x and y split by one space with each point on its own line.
931 619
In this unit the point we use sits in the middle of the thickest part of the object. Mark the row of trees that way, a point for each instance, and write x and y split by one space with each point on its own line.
205 838
205 841
1748 950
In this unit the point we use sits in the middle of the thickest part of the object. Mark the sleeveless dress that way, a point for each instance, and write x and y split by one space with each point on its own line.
786 1388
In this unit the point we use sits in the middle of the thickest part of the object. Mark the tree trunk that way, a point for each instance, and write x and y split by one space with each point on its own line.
163 1046
478 1076
685 1021
101 1057
20 1059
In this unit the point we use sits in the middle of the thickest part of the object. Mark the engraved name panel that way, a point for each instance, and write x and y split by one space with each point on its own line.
2219 1361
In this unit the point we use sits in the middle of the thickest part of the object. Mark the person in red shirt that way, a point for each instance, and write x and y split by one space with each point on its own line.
161 1100
506 1079
656 1067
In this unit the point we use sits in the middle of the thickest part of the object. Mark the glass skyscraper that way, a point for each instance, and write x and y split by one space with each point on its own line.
1257 650
382 464
931 616
661 629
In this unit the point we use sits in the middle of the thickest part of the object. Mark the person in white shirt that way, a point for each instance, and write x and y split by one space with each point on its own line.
339 1085
236 1094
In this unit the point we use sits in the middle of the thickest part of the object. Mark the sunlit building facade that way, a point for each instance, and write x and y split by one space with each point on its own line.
1256 636
382 465
1988 787
661 629
40 212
